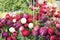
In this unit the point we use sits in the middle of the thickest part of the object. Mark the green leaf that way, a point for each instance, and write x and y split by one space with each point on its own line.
42 38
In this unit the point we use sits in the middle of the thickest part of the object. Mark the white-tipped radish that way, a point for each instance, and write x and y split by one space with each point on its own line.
14 20
12 29
30 25
23 20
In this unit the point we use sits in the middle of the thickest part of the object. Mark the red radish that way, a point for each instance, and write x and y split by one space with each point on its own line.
29 16
55 14
58 15
50 31
15 34
1 24
13 38
53 9
43 10
25 16
43 31
21 28
21 15
26 25
35 17
34 33
3 20
17 17
57 38
10 18
53 37
56 22
39 17
41 14
1 29
58 26
7 16
8 38
36 28
30 19
58 33
25 33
